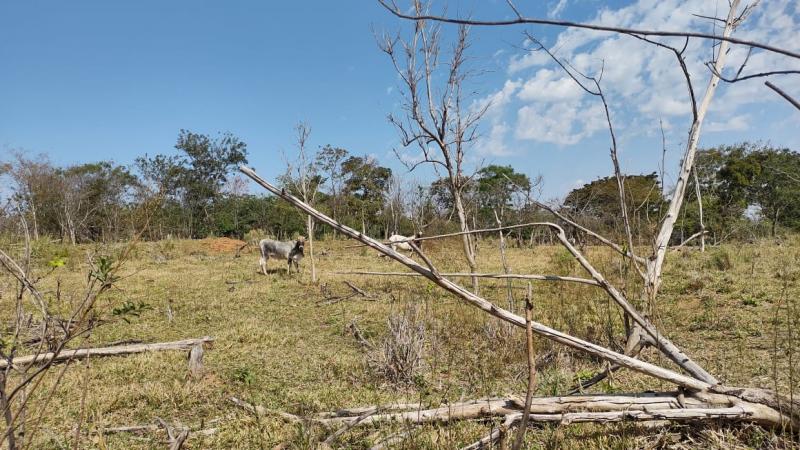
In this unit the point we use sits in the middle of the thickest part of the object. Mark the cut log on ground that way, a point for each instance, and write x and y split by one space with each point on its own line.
67 355
671 406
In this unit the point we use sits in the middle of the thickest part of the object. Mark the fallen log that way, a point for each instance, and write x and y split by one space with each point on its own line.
76 354
512 276
566 409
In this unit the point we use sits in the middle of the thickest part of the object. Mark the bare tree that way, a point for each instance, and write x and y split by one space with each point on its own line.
394 205
303 177
437 118
654 264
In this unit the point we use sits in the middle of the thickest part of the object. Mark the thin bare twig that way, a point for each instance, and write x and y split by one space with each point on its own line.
783 94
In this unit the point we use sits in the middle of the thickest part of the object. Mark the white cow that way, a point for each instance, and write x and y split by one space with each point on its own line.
397 241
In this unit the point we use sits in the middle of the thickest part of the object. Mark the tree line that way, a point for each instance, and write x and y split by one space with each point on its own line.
746 190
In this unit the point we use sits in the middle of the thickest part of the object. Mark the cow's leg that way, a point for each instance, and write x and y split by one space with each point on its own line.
263 263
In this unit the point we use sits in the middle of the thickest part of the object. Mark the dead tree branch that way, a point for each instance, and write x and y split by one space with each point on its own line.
783 94
511 276
394 9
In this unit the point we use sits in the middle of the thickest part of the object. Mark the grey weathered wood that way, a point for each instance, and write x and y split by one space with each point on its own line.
76 354
512 276
196 361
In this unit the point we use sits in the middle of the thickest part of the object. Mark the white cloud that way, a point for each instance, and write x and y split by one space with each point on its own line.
529 59
564 123
557 9
550 86
735 123
644 83
494 144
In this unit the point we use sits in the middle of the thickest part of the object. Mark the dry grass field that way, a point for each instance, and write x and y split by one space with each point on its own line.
278 343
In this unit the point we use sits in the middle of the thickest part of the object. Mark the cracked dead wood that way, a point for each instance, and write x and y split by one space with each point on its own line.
196 361
635 344
359 335
762 406
149 428
68 355
569 409
690 239
335 435
329 299
498 436
512 276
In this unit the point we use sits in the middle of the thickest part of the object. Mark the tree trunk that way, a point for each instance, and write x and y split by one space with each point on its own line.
654 265
700 209
35 222
774 222
466 239
310 229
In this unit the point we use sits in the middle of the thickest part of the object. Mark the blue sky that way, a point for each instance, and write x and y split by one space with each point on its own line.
90 80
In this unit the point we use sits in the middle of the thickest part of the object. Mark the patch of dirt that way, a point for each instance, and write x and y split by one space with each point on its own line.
221 245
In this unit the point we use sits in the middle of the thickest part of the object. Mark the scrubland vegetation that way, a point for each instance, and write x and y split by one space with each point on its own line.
288 345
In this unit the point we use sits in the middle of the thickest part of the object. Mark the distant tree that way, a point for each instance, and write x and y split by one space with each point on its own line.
329 161
365 183
303 179
194 178
35 193
768 178
599 202
747 176
94 199
496 187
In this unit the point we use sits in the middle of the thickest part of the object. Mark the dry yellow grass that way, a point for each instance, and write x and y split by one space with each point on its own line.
733 308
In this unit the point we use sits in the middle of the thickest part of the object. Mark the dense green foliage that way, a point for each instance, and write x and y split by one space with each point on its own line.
747 190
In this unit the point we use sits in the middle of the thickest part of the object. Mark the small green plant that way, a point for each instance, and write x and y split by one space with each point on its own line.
103 270
57 261
244 375
130 309
583 375
749 301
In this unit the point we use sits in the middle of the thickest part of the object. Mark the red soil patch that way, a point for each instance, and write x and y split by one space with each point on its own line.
222 245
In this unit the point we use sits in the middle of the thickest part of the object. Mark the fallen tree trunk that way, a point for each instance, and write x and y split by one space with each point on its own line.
568 409
512 276
66 355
